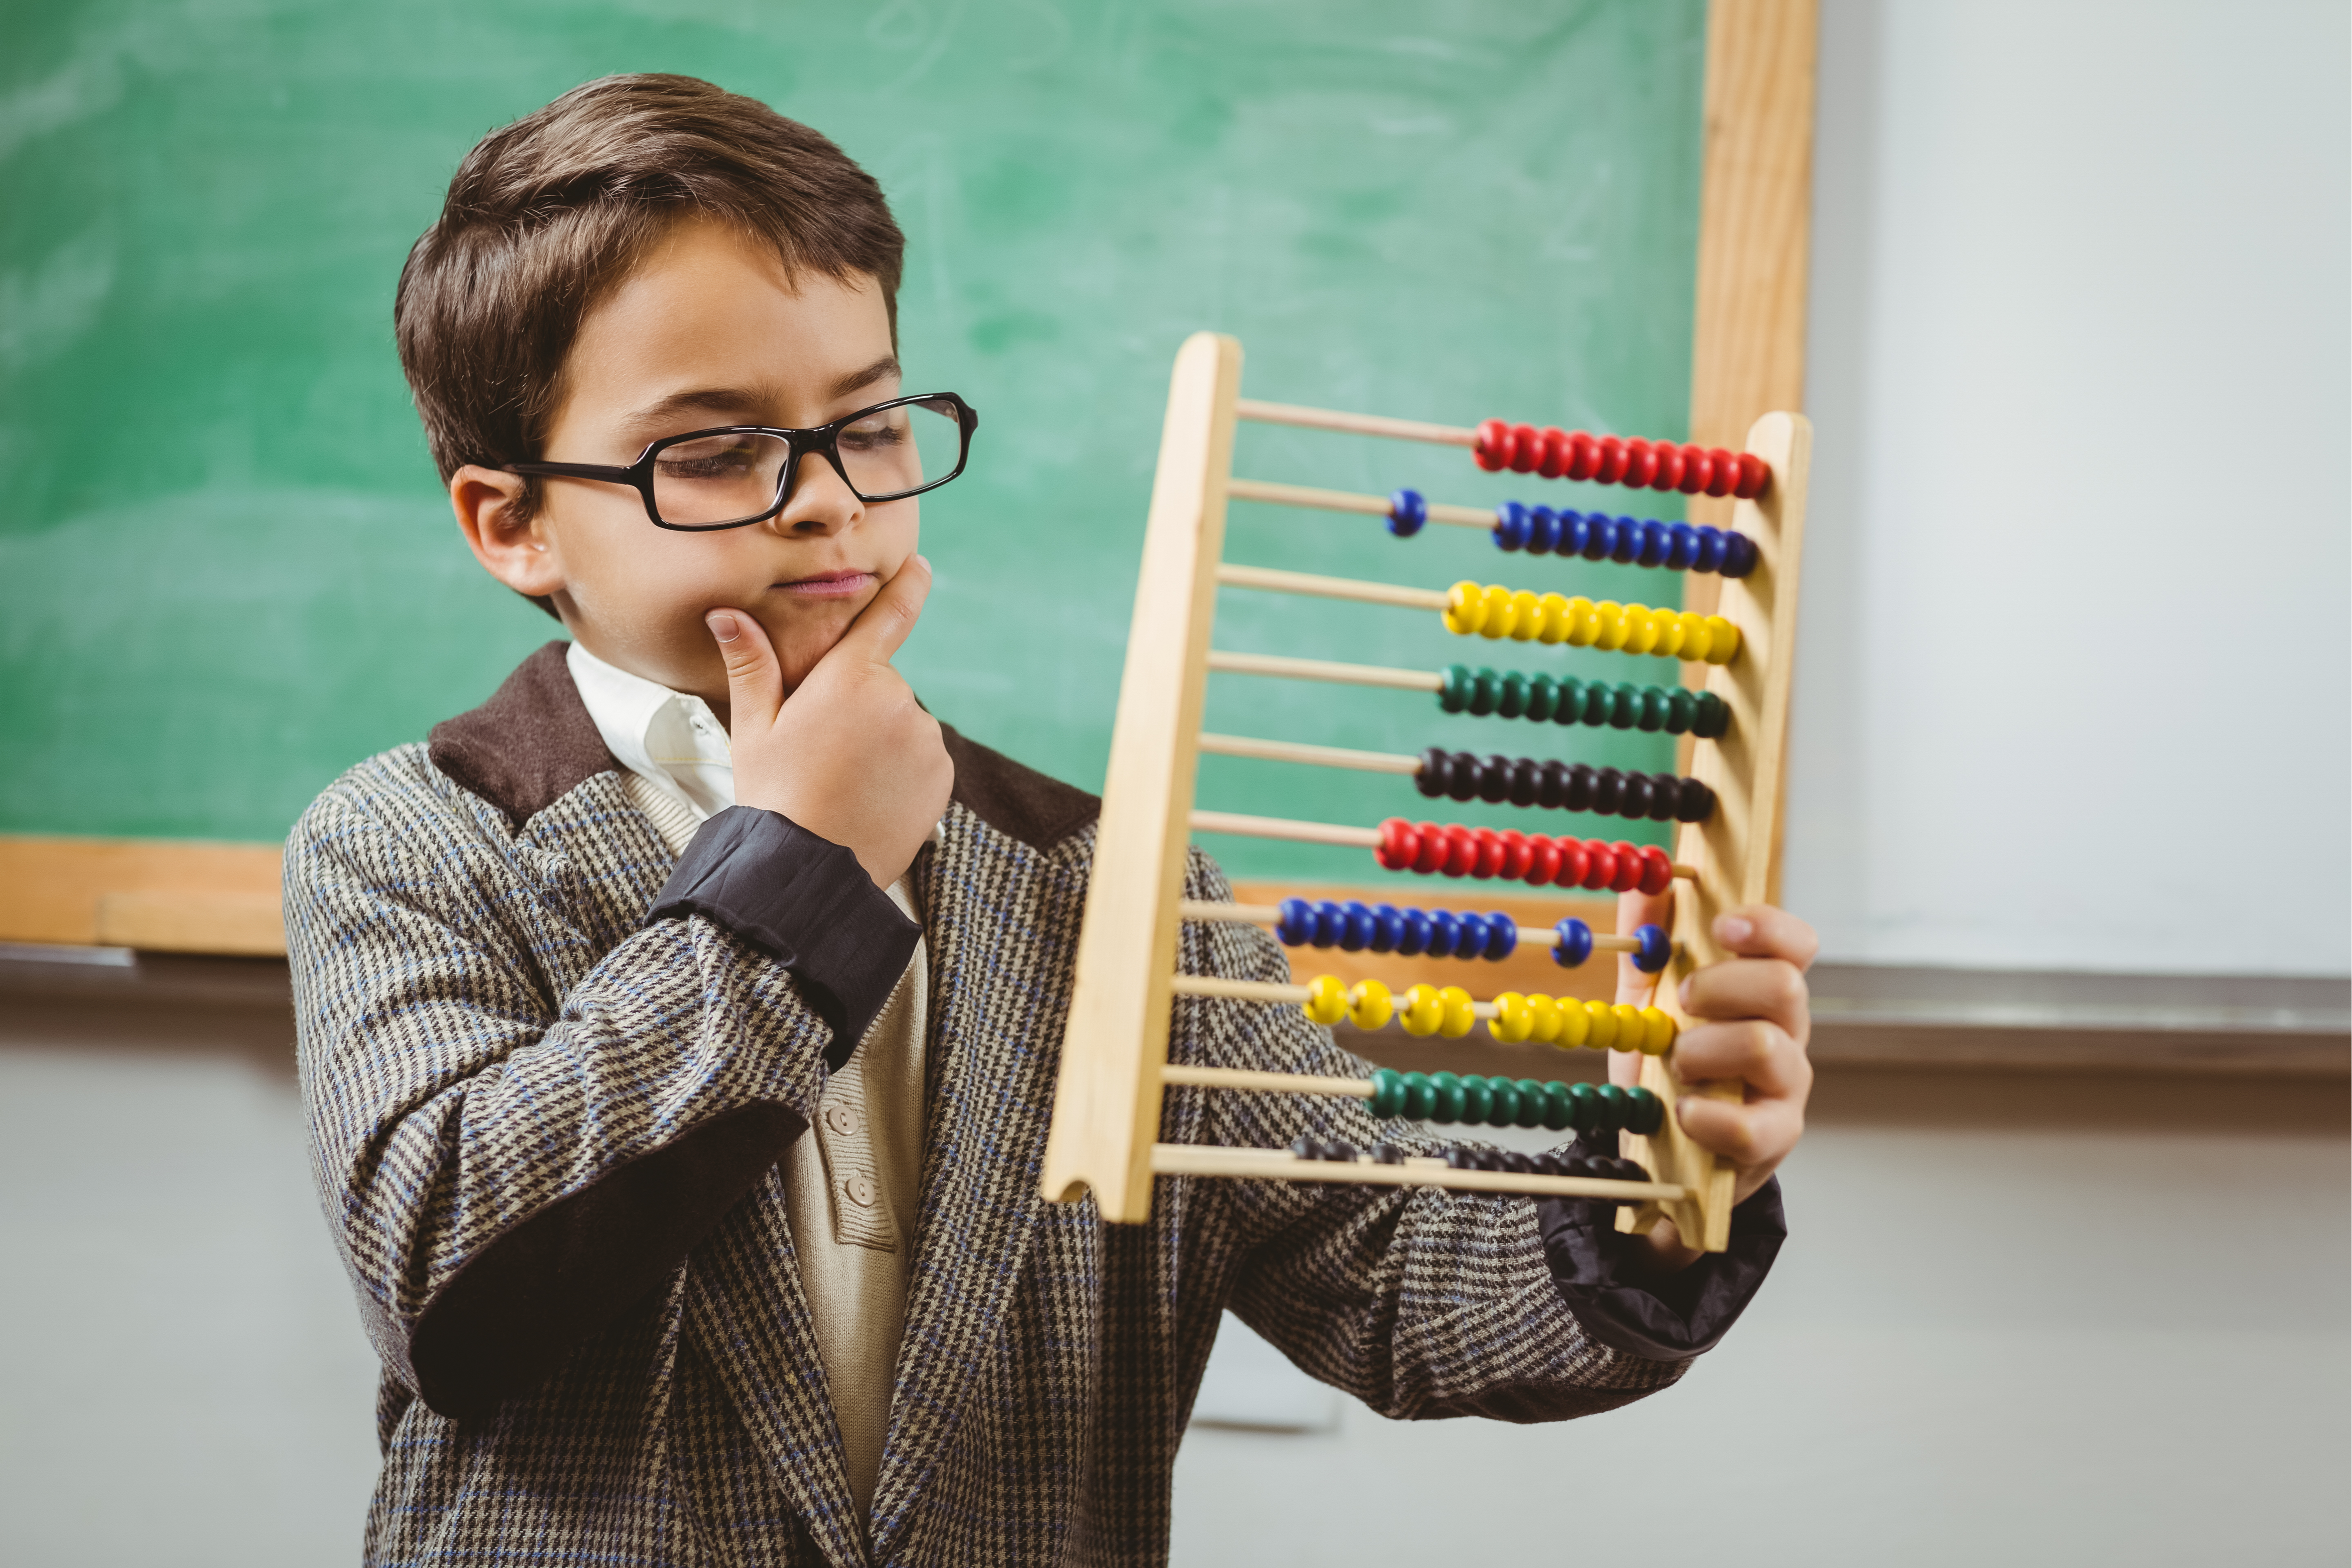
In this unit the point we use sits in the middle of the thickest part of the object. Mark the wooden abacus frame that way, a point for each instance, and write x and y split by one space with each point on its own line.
1114 1066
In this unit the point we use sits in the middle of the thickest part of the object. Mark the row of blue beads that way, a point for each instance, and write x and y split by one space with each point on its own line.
1675 546
1357 928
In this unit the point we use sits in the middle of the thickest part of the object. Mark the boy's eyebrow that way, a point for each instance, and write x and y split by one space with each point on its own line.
881 369
725 400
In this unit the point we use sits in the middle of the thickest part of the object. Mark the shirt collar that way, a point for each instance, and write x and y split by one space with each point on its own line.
670 739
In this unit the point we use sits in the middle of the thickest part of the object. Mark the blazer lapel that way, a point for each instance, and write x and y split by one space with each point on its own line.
990 923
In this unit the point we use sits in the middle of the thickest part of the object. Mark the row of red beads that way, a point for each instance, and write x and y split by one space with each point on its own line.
1608 460
1514 857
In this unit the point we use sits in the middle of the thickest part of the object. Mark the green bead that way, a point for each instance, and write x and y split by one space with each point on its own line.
1455 695
1623 704
1679 707
1543 696
1599 702
1559 1107
1713 717
1587 1109
1477 1100
1531 1103
1568 707
1502 1102
1644 1111
1420 1097
1513 698
1489 692
1653 717
1388 1093
1447 1105
1615 1106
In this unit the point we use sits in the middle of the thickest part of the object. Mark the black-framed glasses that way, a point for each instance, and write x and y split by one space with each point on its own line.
737 475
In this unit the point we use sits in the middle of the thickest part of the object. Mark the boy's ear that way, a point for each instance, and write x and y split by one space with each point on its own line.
520 553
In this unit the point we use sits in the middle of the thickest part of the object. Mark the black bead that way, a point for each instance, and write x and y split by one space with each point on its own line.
1460 1158
1462 776
1524 781
1494 779
1694 802
1552 784
1431 780
1549 1163
1518 1165
1607 790
1577 795
1340 1149
1666 792
1306 1147
1494 1160
1387 1154
1634 795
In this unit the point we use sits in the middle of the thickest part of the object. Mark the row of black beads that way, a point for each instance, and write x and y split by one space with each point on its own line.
1512 694
1564 786
1464 1157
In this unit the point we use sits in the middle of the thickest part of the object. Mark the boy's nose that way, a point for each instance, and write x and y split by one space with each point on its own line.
819 503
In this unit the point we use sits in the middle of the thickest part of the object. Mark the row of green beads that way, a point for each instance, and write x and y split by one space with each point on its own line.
1568 701
1477 1101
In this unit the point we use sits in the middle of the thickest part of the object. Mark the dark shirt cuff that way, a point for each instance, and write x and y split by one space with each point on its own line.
806 901
1669 1319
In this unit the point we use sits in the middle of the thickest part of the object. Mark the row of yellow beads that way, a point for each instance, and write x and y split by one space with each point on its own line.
1497 612
1447 1011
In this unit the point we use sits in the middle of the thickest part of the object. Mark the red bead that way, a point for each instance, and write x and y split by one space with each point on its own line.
1723 471
1429 856
1517 855
1754 474
1611 467
1657 871
1398 845
1573 863
1671 462
1600 865
1640 464
1461 851
1490 854
1526 448
1583 456
1553 460
1543 860
1494 448
1629 868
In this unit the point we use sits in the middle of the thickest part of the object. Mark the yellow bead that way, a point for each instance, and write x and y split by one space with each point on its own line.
1526 614
1464 603
1632 1032
1583 622
1603 1034
1494 612
1369 1005
1575 1025
1722 640
1641 629
1657 1032
1557 617
1690 641
1459 1014
1327 999
1610 633
1513 1020
1543 1019
1668 642
1424 1010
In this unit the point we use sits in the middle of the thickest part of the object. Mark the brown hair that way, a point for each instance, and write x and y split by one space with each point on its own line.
546 215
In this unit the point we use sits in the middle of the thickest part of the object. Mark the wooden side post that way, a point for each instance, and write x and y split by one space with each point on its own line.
1107 1101
1736 849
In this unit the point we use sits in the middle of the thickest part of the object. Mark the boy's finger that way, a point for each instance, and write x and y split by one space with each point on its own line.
1760 1054
882 627
1750 988
1635 910
755 685
1762 931
1761 1132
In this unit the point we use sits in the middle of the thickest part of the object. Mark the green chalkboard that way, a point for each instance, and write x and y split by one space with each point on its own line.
227 569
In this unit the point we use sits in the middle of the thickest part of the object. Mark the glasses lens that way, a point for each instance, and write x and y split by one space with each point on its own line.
717 479
902 448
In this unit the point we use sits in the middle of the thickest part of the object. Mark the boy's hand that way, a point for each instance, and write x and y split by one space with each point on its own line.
1751 1019
849 755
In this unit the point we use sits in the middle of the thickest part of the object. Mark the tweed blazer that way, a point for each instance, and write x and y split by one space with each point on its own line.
545 1132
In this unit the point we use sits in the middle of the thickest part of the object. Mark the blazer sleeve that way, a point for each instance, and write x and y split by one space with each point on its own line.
1420 1301
506 1170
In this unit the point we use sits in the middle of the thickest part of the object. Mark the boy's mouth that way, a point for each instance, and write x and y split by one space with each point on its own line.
829 585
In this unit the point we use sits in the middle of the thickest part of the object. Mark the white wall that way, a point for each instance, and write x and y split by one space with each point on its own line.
2072 688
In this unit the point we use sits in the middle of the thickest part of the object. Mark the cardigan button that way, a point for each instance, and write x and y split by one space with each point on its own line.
841 1119
860 1190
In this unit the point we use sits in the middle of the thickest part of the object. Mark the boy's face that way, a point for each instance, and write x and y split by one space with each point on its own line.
709 330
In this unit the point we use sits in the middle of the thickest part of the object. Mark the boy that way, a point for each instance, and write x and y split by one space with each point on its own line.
678 1027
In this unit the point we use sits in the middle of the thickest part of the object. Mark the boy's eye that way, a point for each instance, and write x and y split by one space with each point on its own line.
876 433
717 457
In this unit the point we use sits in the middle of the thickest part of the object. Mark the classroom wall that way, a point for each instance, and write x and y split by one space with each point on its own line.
2072 682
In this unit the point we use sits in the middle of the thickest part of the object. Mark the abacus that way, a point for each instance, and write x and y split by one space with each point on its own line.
1114 1066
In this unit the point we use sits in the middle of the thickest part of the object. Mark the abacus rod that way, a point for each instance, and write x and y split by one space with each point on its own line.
1273 991
1325 669
1268 580
1272 1082
1250 408
1349 500
1267 914
1319 756
1283 827
1274 1164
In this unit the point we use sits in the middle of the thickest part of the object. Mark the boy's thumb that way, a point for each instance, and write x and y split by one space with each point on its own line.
883 625
755 685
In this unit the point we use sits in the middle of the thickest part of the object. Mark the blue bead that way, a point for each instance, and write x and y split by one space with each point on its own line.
1502 936
1574 534
1683 549
1652 955
1296 924
1443 930
1510 526
1469 935
1388 928
1600 536
1627 544
1355 927
1575 944
1414 940
1655 544
1739 555
1543 530
1407 512
1327 924
1710 550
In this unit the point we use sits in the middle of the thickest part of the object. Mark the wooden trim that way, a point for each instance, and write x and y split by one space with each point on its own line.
160 895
